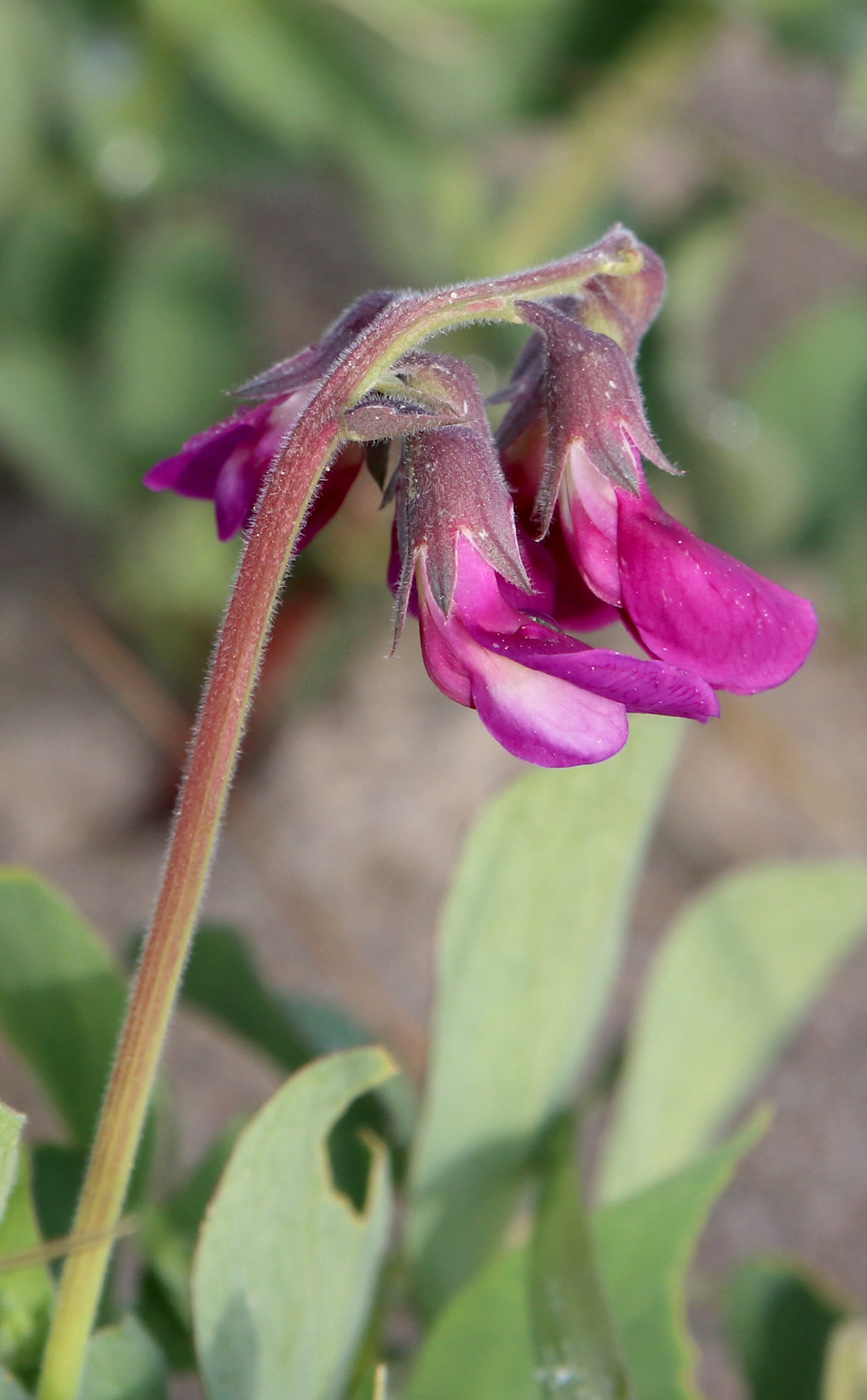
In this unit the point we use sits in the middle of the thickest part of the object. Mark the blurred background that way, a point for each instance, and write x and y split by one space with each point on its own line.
189 191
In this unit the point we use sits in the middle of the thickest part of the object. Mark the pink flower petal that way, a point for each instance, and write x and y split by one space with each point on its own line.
589 513
237 489
649 687
696 607
541 718
442 643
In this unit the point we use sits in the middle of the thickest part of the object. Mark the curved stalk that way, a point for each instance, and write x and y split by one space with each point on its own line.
291 486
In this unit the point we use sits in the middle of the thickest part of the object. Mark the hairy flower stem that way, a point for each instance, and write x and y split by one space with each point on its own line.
291 485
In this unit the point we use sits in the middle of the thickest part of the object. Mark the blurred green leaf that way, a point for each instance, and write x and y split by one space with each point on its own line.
11 1124
26 1295
845 1376
256 60
480 1346
52 427
53 264
124 1363
577 1351
812 385
778 1323
530 942
61 996
223 980
58 1171
645 1244
26 71
173 334
10 1389
286 1268
566 187
737 971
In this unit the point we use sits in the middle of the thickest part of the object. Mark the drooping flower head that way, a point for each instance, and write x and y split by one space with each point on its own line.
505 547
546 696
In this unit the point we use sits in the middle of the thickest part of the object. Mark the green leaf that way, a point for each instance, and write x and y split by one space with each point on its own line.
11 1125
530 942
124 1363
58 1172
480 1346
812 386
286 1268
845 1376
577 1350
26 1295
779 1321
645 1244
25 64
61 996
223 980
257 64
737 971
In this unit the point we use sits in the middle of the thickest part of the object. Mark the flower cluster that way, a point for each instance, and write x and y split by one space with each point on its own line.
507 545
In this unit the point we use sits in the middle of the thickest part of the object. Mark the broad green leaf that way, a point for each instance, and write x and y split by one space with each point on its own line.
480 1346
577 1351
26 1294
61 996
779 1321
738 969
530 942
845 1376
645 1244
11 1124
223 980
286 1268
124 1363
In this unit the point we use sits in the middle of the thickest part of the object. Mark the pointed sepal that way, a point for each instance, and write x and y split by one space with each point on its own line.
592 399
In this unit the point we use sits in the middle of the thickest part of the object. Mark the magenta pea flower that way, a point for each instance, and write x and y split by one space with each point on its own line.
507 549
228 462
546 696
687 602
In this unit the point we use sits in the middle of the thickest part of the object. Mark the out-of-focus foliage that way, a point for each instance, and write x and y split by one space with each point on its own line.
273 1264
468 136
